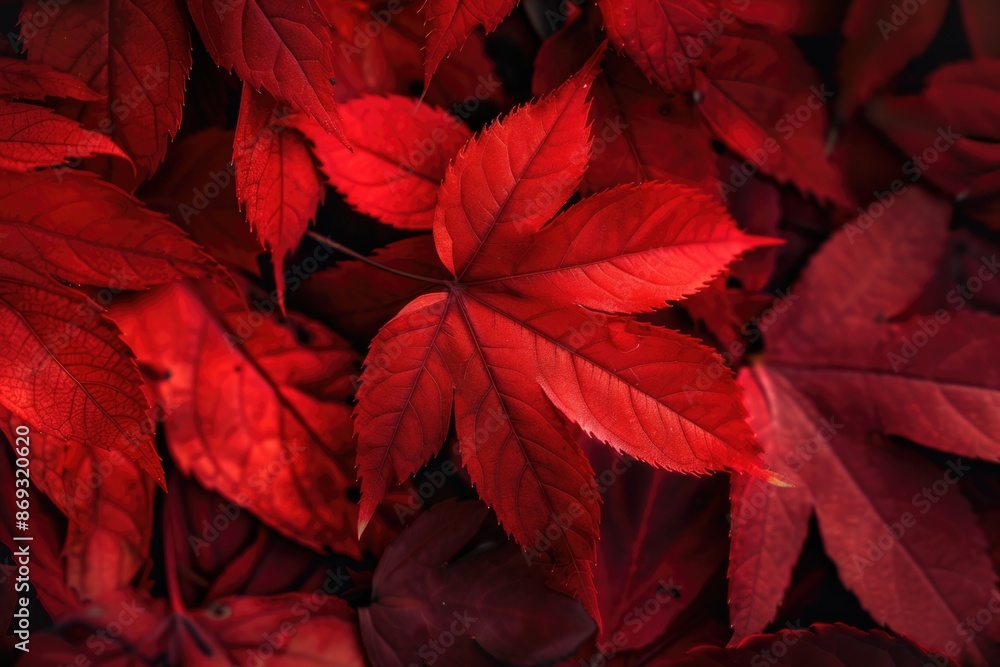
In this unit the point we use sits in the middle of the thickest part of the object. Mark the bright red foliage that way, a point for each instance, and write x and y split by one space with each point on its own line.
388 333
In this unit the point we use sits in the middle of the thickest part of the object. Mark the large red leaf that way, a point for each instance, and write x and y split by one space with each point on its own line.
286 48
876 525
84 230
520 349
768 528
73 377
276 179
826 394
400 152
69 374
136 53
252 412
33 136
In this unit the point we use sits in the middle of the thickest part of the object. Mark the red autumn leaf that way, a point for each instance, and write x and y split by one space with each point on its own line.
36 81
135 53
285 48
253 413
876 527
33 136
819 394
453 21
518 353
276 179
400 152
488 600
83 231
821 645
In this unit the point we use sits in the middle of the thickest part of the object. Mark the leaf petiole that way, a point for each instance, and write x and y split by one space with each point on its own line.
367 260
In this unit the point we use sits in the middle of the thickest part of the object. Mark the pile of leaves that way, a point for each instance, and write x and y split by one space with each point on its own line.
461 332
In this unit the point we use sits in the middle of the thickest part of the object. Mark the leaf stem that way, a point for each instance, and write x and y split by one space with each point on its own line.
367 260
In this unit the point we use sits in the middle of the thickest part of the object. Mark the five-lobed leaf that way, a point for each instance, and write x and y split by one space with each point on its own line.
523 352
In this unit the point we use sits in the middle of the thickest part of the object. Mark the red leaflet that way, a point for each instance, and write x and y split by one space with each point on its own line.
51 383
135 53
116 242
283 47
499 604
451 24
519 353
659 35
275 179
821 396
32 137
252 412
400 152
49 230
